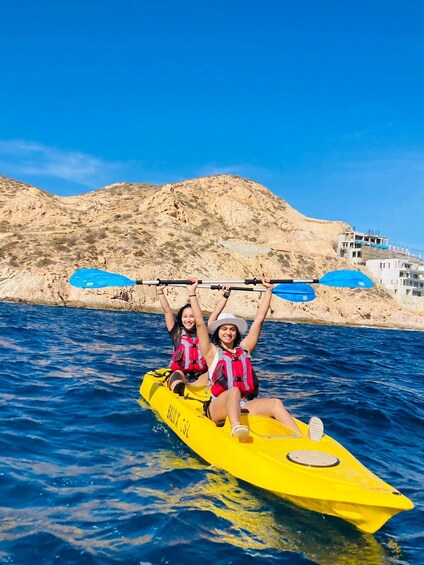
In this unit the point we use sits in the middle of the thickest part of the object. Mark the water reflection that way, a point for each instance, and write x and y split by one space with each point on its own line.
255 522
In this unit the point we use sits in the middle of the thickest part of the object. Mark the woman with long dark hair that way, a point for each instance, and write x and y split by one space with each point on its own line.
187 362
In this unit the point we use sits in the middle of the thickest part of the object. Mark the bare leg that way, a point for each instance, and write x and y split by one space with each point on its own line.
202 380
176 382
226 405
274 408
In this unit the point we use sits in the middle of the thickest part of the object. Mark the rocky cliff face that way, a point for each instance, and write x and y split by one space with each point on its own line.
215 227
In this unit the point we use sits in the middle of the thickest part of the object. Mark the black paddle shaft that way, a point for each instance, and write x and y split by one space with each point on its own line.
221 287
226 282
280 281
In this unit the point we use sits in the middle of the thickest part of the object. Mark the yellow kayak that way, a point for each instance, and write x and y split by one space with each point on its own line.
320 476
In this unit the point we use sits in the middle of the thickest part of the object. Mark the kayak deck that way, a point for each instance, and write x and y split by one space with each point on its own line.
320 476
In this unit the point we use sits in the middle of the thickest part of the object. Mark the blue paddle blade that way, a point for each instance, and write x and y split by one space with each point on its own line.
294 292
346 279
94 278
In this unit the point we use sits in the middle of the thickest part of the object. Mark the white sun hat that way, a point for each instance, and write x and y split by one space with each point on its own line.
228 319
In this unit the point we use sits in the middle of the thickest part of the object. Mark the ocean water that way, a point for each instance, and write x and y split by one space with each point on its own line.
90 475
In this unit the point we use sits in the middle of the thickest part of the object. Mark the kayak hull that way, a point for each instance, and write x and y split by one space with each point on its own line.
319 476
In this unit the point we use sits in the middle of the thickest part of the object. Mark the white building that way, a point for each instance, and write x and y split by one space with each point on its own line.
357 246
403 277
401 273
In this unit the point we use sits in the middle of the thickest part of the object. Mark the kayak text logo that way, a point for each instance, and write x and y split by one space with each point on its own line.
173 416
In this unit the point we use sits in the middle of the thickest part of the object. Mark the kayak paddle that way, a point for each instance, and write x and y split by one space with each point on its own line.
95 278
298 292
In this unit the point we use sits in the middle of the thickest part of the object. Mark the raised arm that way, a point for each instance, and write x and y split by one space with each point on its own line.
221 304
251 340
207 348
169 315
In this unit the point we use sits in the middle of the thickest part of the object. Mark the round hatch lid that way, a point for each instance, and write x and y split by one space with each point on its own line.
312 458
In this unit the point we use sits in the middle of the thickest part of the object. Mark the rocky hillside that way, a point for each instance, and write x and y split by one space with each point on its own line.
214 227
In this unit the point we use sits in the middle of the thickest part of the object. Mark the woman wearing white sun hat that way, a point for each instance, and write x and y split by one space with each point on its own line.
234 385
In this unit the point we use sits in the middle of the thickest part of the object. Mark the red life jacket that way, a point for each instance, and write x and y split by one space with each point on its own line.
234 370
187 356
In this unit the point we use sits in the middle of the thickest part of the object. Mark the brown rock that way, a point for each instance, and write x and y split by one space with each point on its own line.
218 227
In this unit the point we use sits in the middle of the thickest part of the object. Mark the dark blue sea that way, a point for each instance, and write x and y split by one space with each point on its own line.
90 475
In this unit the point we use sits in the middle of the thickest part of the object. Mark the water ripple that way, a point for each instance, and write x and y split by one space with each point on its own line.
89 475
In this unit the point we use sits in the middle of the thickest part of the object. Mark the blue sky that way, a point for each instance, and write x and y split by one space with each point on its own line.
322 102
